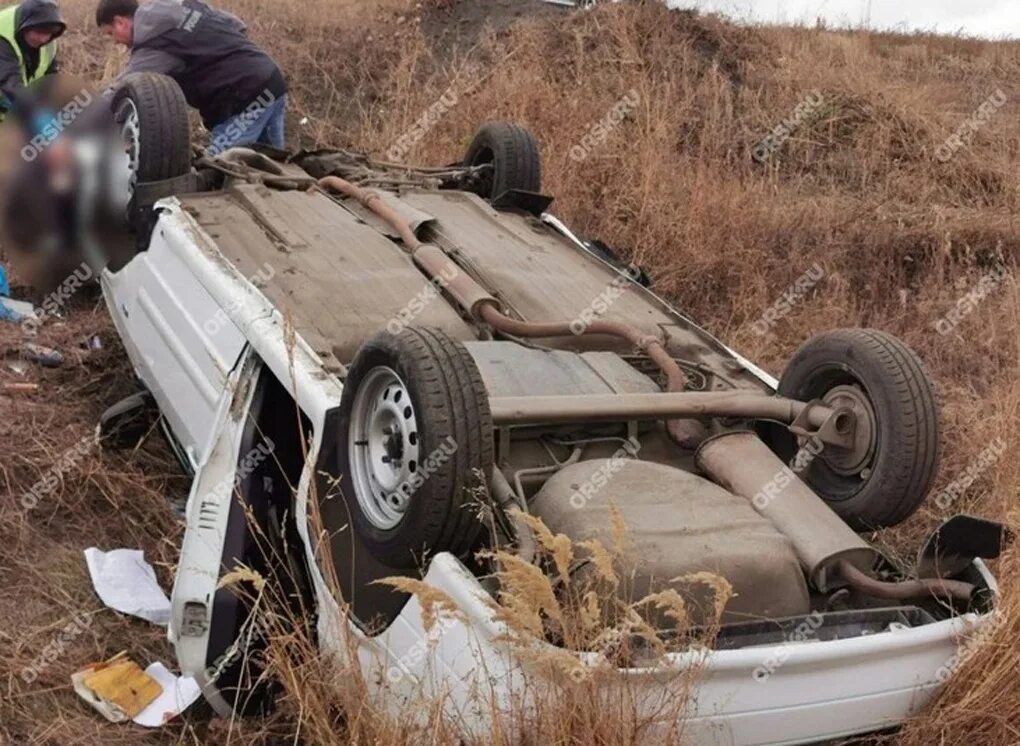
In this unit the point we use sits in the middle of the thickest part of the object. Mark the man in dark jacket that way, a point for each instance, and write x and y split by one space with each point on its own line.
28 47
236 87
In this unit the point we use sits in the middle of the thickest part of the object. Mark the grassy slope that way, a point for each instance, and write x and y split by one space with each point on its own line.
900 236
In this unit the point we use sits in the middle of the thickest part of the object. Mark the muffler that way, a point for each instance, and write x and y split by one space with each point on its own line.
743 464
832 555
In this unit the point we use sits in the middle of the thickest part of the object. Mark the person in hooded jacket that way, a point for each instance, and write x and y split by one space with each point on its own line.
237 88
28 46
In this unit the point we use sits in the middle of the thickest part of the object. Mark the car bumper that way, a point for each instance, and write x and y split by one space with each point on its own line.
815 690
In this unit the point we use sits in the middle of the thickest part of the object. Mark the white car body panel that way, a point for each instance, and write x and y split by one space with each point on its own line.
822 690
207 510
162 312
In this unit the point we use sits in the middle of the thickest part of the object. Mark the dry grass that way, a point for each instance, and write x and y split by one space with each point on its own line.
102 499
900 235
325 699
981 703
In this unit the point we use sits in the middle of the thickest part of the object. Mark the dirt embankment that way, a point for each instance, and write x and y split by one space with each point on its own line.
860 180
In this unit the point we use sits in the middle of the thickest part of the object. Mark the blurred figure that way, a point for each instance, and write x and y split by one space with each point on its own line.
63 183
237 88
28 47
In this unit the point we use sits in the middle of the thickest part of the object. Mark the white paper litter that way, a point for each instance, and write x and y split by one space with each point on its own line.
127 583
178 694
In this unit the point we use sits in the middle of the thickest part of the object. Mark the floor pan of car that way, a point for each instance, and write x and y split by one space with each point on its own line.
339 280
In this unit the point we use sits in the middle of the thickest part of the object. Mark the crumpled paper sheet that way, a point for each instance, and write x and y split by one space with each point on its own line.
178 694
127 583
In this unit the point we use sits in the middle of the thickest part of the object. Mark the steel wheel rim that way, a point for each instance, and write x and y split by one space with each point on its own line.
383 447
131 132
855 461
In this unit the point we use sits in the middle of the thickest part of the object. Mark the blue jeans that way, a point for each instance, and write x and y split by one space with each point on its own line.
261 122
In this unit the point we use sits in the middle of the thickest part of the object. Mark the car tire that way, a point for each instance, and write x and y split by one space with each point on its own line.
152 113
415 446
887 475
513 152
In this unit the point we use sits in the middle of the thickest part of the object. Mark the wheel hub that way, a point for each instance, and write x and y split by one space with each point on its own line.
856 459
130 130
383 447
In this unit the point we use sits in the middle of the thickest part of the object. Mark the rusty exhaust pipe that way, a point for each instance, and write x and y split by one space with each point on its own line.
433 261
744 465
483 307
956 590
687 433
831 554
372 201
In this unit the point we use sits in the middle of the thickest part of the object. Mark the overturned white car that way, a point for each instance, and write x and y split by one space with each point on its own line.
381 368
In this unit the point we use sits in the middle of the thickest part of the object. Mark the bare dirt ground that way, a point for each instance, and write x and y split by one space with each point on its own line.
903 237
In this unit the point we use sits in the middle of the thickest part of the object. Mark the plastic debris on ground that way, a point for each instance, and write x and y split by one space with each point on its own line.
16 310
121 691
127 583
10 309
44 356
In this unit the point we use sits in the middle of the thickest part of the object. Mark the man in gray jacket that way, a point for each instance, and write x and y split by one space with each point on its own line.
237 88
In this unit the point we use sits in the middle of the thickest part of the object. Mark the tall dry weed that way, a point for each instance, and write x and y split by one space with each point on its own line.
569 634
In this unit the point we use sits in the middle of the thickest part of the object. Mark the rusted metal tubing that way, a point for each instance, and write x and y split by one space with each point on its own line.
906 589
483 307
522 410
505 496
471 296
436 264
745 466
373 202
685 433
647 342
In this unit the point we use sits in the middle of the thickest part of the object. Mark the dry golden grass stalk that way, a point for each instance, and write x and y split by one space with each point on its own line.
602 559
558 546
434 602
242 575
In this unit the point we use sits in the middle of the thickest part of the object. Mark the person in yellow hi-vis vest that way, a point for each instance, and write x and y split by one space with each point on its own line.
28 45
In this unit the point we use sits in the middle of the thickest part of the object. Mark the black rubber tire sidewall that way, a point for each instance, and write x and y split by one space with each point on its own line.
450 402
907 422
513 151
164 130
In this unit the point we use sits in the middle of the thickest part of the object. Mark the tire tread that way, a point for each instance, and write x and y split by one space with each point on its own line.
516 157
911 461
450 401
